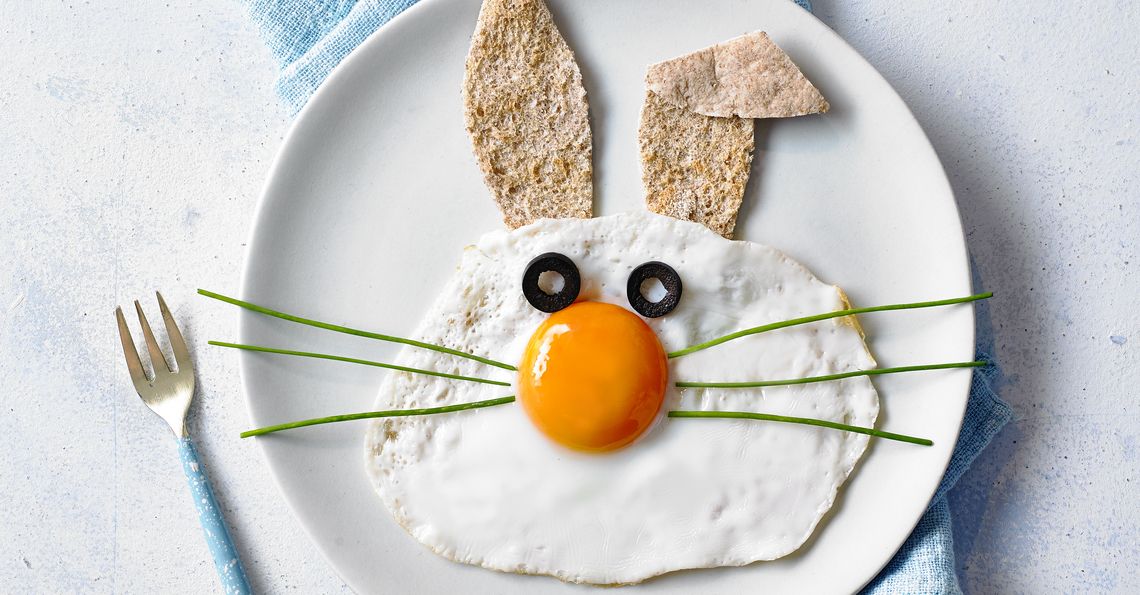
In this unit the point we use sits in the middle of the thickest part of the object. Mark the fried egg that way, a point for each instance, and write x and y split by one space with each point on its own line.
528 487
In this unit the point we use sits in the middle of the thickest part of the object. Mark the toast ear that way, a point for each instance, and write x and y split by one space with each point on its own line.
696 133
526 113
694 167
748 76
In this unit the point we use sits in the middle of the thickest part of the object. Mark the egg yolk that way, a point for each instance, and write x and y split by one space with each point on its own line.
593 377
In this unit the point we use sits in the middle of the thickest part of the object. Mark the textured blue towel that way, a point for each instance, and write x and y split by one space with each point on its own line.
310 37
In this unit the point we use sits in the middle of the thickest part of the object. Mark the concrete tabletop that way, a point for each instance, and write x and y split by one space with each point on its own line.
135 137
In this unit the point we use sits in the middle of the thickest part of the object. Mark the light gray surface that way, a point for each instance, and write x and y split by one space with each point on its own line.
135 139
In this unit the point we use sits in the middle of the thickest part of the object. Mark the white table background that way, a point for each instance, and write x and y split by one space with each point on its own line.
134 137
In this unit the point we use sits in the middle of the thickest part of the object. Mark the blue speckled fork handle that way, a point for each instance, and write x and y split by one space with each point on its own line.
222 549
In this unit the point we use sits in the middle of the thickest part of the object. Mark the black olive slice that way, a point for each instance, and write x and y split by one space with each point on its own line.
571 282
668 278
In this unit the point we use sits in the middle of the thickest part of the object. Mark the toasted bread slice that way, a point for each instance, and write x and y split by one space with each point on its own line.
527 115
748 76
694 167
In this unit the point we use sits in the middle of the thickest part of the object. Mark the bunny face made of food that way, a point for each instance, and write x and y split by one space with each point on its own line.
585 478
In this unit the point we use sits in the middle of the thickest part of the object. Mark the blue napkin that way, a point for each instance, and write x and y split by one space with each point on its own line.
310 37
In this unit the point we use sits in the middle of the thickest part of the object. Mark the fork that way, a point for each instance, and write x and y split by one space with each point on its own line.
168 394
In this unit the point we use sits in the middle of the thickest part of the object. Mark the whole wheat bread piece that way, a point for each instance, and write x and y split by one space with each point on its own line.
526 113
748 76
696 150
694 167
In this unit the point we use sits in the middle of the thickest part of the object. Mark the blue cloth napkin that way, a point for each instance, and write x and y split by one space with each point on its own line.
310 37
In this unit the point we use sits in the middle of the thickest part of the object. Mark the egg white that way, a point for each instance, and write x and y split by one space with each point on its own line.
484 487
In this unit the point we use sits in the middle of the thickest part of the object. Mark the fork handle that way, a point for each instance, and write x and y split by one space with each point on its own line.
222 548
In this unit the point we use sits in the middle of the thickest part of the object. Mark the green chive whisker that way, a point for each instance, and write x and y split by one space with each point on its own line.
816 318
829 377
353 360
374 414
351 331
803 421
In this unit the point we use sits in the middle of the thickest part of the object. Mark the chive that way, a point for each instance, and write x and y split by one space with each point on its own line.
811 379
353 360
837 314
372 414
351 331
805 421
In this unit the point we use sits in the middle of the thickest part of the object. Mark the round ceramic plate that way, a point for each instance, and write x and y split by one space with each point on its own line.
375 194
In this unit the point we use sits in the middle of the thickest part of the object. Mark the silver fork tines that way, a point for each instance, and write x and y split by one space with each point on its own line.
167 392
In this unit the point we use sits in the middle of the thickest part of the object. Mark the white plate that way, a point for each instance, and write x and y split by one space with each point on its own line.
375 193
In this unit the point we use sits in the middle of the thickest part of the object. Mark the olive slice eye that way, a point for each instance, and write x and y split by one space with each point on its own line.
668 278
555 263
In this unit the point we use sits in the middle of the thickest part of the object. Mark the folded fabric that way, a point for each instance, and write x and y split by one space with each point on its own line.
310 37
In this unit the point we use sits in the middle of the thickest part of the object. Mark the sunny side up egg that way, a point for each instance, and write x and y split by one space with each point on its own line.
490 487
